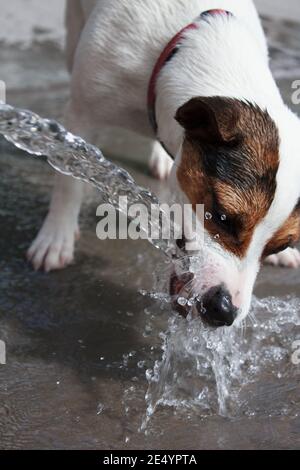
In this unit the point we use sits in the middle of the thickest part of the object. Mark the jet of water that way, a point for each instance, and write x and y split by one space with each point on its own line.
71 155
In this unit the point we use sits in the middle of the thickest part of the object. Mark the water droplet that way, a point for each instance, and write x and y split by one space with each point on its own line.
181 301
203 310
100 408
132 353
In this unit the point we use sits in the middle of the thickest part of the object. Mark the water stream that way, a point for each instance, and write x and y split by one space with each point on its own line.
71 155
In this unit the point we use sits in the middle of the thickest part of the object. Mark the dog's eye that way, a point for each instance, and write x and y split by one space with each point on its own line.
227 223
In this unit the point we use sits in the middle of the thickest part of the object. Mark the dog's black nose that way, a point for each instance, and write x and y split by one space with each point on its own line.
216 307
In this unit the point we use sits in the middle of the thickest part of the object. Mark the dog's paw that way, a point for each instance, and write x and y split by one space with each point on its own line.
53 247
160 162
289 258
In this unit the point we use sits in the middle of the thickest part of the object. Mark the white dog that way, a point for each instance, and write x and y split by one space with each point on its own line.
203 77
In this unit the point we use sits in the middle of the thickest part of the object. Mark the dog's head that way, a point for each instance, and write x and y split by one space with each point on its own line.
233 161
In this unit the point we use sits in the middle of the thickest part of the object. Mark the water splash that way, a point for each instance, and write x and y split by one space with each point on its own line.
71 155
212 371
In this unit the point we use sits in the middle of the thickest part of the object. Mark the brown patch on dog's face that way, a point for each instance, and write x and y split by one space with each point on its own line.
230 159
287 236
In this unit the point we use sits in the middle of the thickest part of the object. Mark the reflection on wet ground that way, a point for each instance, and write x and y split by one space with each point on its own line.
79 342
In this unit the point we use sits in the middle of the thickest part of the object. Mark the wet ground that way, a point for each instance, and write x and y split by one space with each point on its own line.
79 341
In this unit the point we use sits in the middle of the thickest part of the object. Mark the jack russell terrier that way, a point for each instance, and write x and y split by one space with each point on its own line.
200 70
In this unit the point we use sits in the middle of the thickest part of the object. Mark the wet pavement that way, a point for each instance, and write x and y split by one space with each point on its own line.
79 341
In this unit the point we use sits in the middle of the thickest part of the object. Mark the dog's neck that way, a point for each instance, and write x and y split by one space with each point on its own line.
221 58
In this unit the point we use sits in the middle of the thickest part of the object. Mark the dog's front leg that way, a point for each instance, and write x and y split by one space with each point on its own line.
53 248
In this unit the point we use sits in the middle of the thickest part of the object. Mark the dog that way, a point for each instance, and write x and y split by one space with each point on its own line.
220 132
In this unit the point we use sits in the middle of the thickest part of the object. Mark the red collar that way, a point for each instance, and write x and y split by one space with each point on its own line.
169 51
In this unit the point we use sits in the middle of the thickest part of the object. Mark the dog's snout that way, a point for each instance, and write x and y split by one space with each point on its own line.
216 307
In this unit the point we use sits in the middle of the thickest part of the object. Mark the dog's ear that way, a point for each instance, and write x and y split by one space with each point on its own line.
212 120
